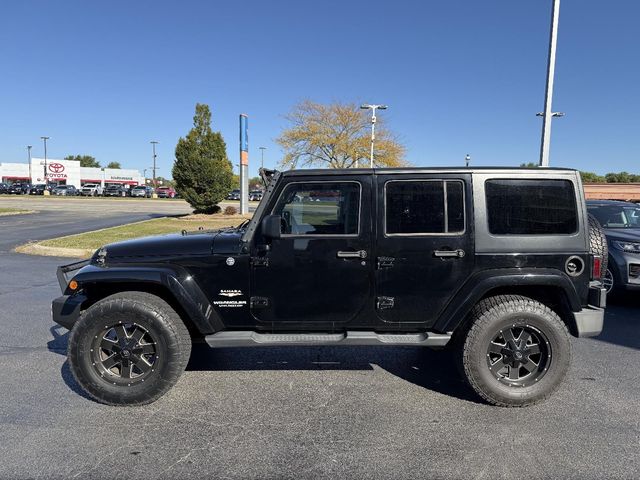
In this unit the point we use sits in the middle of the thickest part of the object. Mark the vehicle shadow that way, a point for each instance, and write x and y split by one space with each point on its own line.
59 345
431 369
622 321
427 368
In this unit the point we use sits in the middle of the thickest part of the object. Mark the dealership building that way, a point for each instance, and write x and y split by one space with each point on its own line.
66 172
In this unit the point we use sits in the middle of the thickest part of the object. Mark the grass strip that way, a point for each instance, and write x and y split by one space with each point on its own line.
160 226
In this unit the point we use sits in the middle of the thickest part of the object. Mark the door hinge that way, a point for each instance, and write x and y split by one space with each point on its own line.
259 302
384 303
385 262
260 261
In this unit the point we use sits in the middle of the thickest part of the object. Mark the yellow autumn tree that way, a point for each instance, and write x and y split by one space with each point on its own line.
336 135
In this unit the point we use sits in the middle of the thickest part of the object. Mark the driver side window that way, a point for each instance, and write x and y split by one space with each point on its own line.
319 208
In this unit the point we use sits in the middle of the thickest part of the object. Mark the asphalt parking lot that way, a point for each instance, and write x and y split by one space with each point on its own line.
325 412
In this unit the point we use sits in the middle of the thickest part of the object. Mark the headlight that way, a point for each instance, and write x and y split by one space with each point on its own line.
629 247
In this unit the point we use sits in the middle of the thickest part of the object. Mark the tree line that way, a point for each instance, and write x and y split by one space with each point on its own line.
590 177
87 161
621 177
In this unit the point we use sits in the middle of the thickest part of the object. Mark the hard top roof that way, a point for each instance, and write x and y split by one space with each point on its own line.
410 170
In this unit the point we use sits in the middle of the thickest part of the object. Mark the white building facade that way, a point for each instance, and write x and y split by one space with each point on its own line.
66 172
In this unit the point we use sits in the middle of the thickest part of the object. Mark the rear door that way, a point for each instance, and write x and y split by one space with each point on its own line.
425 247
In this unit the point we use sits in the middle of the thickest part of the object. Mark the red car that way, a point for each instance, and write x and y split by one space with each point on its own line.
165 192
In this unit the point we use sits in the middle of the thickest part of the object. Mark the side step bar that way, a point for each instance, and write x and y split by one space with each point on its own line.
255 339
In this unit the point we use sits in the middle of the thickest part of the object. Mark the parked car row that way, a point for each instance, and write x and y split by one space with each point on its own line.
254 195
87 190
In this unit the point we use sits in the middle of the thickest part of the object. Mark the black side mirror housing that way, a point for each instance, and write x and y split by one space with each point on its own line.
271 226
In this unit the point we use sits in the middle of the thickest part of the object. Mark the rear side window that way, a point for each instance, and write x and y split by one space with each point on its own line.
424 207
531 207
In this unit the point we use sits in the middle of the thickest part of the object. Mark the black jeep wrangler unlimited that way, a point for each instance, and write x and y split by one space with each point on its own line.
502 265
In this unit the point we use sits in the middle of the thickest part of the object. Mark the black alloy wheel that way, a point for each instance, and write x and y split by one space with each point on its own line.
124 353
519 356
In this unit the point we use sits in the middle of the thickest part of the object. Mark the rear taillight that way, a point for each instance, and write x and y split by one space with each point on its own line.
596 267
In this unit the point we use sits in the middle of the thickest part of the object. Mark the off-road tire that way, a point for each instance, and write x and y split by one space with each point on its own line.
598 241
487 318
172 341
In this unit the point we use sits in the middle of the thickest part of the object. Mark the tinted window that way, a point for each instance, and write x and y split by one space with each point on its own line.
531 207
319 208
424 207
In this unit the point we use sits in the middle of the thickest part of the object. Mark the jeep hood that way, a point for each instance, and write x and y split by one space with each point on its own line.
175 245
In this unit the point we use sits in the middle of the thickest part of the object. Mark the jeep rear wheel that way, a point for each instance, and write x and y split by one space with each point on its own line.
128 349
516 351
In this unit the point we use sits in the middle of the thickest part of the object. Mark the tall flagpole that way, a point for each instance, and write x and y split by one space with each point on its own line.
547 115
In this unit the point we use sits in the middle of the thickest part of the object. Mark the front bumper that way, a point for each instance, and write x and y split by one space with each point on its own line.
66 309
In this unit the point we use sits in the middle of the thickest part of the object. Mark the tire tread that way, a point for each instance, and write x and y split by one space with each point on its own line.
163 313
481 316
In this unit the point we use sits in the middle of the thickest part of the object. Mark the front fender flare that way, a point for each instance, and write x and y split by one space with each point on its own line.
180 284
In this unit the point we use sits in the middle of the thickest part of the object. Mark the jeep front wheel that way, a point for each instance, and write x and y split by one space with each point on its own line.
516 351
128 349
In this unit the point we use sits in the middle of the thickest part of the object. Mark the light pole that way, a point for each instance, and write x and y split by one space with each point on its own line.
467 159
154 143
547 115
373 109
262 149
46 180
29 147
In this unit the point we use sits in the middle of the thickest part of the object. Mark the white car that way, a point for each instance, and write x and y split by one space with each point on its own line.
91 190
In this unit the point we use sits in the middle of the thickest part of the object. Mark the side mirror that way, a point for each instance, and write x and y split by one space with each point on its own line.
271 226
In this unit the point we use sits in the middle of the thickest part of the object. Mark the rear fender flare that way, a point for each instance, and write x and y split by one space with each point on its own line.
479 284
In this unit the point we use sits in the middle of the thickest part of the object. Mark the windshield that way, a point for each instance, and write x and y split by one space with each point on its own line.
617 216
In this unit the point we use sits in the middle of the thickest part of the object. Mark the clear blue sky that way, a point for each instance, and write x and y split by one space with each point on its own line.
460 76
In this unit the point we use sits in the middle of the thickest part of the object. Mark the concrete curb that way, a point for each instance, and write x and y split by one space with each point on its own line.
18 212
36 249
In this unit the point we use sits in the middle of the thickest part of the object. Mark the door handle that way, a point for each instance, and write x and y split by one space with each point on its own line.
459 253
356 254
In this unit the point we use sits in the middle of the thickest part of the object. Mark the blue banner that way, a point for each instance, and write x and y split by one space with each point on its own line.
244 133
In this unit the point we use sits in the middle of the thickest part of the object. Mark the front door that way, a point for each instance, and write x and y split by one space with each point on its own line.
425 248
318 274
